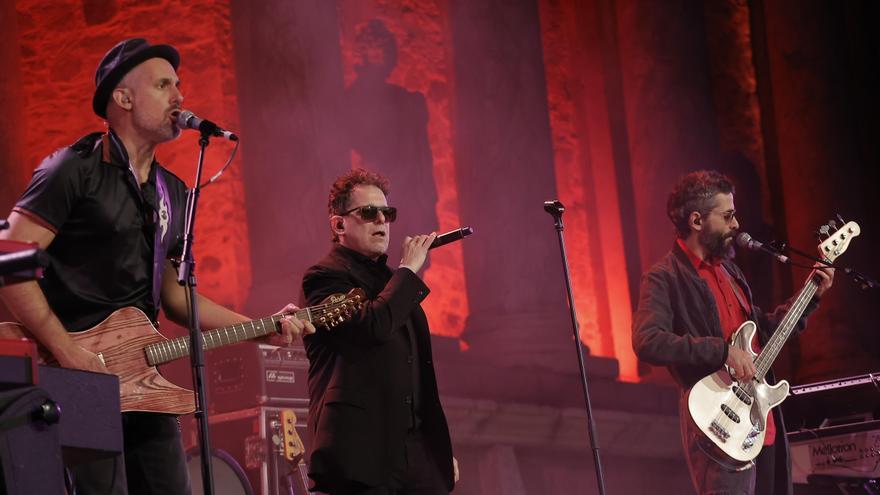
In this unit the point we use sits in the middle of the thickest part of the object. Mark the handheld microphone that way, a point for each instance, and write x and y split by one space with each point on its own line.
451 236
746 241
189 120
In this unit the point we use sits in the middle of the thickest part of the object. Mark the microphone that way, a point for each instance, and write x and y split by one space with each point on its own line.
451 236
746 241
189 120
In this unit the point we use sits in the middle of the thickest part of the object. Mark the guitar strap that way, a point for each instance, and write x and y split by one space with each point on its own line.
161 242
737 291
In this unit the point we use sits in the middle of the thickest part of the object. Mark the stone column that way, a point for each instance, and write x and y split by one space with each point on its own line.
290 85
505 172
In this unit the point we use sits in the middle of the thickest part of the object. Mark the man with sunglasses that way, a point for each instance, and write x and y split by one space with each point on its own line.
375 419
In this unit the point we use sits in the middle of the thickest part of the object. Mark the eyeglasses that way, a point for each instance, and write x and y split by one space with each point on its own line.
370 212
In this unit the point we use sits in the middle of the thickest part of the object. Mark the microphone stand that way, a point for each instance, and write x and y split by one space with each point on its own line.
186 276
865 281
555 209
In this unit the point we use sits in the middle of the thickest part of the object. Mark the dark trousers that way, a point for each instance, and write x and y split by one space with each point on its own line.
712 474
154 462
418 475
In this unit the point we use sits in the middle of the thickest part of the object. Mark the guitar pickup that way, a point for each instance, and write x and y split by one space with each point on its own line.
729 413
742 395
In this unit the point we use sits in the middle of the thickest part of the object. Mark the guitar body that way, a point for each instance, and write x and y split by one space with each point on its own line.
119 341
131 348
731 414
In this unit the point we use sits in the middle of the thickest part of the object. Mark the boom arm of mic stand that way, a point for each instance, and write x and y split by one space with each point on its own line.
865 281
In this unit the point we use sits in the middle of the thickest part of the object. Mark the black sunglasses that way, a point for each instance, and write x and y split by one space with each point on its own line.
370 212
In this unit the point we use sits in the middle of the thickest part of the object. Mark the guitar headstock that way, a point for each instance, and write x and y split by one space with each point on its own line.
337 308
835 244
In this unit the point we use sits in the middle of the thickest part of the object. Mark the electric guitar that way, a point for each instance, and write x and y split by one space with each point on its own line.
733 414
130 347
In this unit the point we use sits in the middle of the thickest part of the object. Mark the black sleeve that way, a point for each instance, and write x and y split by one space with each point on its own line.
656 341
377 319
55 187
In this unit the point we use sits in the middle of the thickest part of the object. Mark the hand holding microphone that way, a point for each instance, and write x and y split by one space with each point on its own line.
415 249
451 236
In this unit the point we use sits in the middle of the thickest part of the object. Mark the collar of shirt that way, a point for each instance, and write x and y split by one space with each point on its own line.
351 253
117 155
695 260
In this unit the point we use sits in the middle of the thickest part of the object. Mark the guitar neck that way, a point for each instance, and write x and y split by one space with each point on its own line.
169 350
786 326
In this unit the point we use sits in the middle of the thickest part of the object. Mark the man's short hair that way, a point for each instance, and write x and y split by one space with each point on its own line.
695 192
340 191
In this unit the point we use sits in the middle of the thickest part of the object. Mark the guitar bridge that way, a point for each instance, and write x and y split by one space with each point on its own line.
719 431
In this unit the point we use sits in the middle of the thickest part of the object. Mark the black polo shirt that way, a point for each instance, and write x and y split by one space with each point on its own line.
105 229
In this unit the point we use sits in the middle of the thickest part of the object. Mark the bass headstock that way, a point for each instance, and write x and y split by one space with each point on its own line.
836 243
293 448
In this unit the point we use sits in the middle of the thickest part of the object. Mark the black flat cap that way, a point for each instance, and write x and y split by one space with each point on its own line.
123 57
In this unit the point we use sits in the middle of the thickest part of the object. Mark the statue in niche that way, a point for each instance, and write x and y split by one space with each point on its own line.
387 130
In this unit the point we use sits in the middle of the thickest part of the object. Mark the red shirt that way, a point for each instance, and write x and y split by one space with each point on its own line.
733 307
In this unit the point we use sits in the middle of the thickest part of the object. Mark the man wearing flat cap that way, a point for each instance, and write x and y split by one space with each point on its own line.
110 217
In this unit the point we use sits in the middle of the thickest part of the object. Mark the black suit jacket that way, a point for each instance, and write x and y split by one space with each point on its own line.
360 375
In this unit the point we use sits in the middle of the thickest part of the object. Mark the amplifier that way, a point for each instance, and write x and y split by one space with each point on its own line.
249 375
249 450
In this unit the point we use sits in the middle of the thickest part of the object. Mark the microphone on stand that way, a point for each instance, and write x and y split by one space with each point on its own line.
189 120
451 236
745 240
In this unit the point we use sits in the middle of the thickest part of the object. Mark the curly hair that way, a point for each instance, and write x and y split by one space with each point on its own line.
695 192
340 191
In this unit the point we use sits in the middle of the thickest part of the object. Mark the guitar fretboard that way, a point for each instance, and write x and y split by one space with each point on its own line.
169 350
783 331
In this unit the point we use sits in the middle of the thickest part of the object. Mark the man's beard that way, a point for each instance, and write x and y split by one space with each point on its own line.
162 132
716 244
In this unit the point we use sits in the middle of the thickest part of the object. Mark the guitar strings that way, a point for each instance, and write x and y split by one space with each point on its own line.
762 362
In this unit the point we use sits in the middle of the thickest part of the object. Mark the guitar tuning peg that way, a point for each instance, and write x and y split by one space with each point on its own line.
840 219
824 231
832 224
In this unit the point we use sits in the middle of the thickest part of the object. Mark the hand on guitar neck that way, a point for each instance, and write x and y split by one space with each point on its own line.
824 278
291 327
